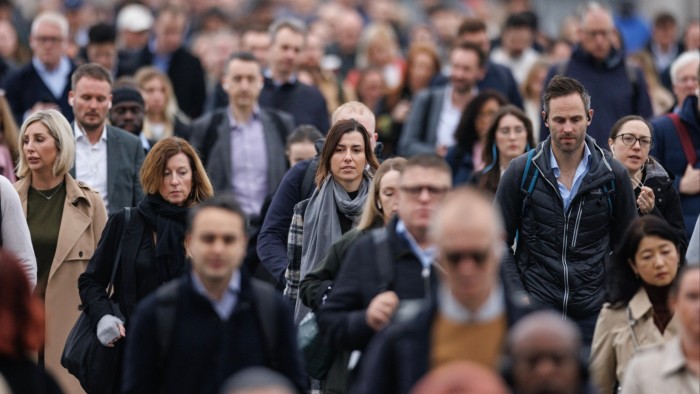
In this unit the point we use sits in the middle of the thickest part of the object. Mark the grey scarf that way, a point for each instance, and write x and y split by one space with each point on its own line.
322 225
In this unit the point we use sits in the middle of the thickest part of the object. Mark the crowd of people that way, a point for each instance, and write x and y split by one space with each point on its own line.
344 196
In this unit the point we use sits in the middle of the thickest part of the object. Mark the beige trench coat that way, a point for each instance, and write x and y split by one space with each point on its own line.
661 369
614 344
84 218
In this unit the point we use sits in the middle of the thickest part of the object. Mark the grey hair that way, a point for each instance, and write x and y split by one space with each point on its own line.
295 24
683 60
54 18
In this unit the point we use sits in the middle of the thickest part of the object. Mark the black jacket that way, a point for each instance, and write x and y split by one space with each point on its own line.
561 258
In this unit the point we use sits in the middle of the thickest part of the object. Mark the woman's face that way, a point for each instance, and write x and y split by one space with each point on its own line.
422 70
511 137
656 261
177 180
299 151
485 116
372 88
349 160
389 193
634 156
154 96
537 82
39 148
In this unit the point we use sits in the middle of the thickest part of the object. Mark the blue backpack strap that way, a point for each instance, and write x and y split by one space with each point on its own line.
531 187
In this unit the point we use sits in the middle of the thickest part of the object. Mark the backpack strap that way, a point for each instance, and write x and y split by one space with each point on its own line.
385 266
279 126
266 313
166 312
307 184
426 118
686 142
530 188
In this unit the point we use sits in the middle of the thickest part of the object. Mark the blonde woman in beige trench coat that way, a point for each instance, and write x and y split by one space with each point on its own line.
47 152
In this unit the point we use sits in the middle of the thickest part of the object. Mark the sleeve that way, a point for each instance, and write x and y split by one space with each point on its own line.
139 157
140 356
377 369
15 232
513 90
410 143
14 96
291 361
643 101
508 200
673 213
693 253
272 241
603 363
625 209
632 384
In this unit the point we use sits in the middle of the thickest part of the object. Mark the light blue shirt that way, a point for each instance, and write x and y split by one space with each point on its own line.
223 307
249 163
583 167
494 307
57 79
426 256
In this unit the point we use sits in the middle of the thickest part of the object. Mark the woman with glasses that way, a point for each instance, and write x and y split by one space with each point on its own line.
630 141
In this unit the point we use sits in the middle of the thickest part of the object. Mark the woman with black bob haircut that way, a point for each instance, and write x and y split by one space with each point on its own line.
637 312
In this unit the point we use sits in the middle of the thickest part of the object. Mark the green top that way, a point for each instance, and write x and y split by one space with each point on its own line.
44 213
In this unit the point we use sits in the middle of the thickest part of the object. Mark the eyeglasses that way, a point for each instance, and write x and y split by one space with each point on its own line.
416 191
48 39
630 140
477 256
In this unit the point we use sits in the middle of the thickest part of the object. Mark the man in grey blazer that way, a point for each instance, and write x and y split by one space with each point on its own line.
242 146
107 158
435 113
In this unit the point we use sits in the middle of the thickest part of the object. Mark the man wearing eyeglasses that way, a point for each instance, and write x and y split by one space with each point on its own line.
471 312
388 271
565 205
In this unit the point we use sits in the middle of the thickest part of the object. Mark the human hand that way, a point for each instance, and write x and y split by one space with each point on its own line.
401 110
645 201
110 329
441 150
381 309
690 182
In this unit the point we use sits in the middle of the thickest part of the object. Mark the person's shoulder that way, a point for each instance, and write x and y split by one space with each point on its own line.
283 115
203 121
122 135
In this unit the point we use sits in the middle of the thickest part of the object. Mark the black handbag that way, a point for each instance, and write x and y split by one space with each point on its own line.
92 363
317 355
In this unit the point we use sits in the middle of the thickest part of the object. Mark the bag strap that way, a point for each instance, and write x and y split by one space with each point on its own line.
166 311
686 142
384 261
426 118
307 184
118 257
266 312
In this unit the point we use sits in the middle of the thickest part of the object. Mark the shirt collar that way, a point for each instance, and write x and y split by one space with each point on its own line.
453 310
234 285
267 73
555 166
426 256
232 120
80 134
63 66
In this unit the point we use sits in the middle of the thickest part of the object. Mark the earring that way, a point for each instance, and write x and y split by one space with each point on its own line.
379 205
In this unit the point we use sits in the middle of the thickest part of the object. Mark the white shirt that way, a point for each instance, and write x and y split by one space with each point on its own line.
494 306
91 162
449 119
15 233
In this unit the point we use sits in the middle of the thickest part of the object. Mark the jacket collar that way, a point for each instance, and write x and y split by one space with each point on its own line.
639 304
599 162
74 193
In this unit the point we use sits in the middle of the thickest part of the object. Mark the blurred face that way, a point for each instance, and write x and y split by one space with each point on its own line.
516 40
421 71
257 43
511 137
154 95
691 40
91 100
127 115
656 261
348 33
485 117
349 160
422 189
285 52
632 156
687 303
480 39
8 40
216 244
465 70
389 193
299 151
686 81
134 40
545 362
169 30
39 148
596 32
665 35
372 88
103 54
176 185
379 52
243 82
48 44
313 52
567 123
537 82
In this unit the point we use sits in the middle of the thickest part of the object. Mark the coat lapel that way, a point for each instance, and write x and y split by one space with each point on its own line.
112 162
73 224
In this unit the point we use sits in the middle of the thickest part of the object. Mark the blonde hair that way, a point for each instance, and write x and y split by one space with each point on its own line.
8 129
62 133
371 210
172 110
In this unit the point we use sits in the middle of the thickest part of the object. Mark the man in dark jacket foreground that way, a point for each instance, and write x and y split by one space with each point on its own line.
568 203
194 332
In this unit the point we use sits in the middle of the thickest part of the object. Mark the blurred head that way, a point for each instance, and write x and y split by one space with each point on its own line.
685 302
596 31
422 63
544 354
288 37
511 133
467 64
8 40
371 86
102 46
534 80
157 92
665 29
48 38
243 80
477 117
8 128
467 232
301 144
46 143
128 109
462 377
362 114
345 154
21 314
257 42
347 31
216 239
258 380
691 37
382 201
91 96
473 30
630 141
567 114
134 23
169 29
378 46
172 169
518 34
684 75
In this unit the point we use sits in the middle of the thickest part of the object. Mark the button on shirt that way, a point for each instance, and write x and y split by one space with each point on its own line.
223 307
583 167
248 163
91 162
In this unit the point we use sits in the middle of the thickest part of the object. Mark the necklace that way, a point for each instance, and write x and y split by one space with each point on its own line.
52 194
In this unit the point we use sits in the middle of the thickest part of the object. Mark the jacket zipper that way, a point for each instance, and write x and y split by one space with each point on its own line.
578 222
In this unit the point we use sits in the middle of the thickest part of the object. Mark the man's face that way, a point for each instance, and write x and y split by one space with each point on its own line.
366 119
567 122
686 81
666 34
91 100
465 71
127 115
687 303
596 32
480 39
516 40
169 31
257 43
216 244
545 362
103 54
242 82
284 52
422 189
48 44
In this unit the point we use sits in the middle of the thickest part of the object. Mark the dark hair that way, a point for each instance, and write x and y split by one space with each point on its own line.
302 133
621 122
561 86
403 90
224 201
471 25
242 56
294 24
468 46
664 19
492 175
428 160
520 20
465 134
90 70
102 33
622 283
333 137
